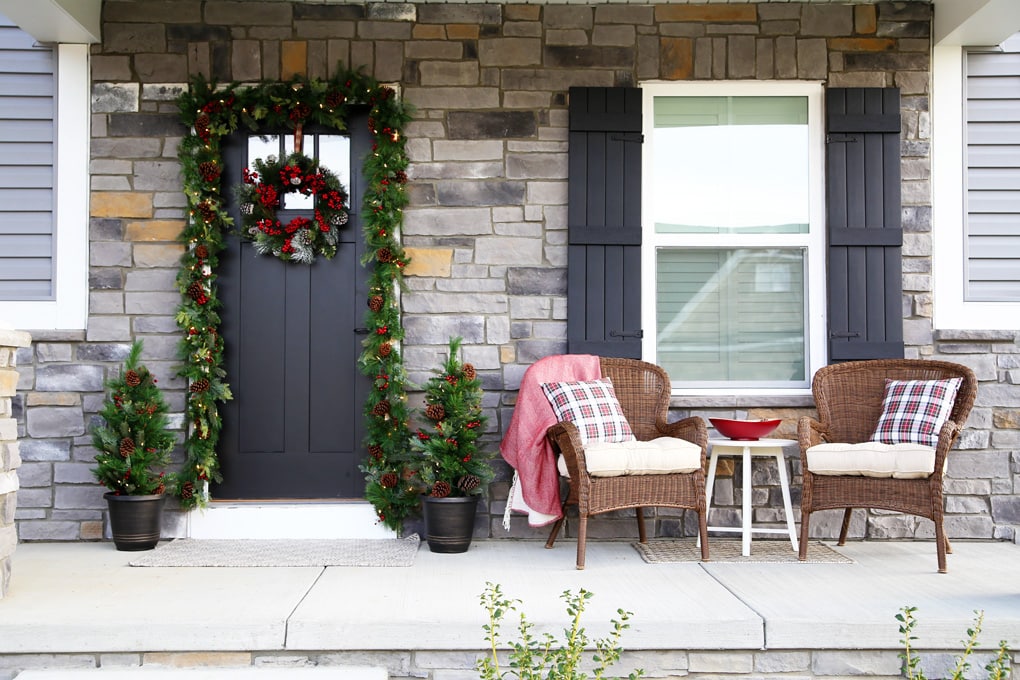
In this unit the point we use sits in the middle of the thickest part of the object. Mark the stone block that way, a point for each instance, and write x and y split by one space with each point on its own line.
38 530
445 98
119 38
433 330
157 255
720 662
1006 509
441 303
69 378
114 97
157 176
827 20
492 125
144 124
161 68
120 204
848 662
536 166
106 302
108 328
45 449
103 351
428 262
151 303
79 496
536 281
508 251
110 254
55 421
473 150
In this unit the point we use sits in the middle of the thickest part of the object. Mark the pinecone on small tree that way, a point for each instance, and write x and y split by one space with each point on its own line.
440 489
469 372
133 441
449 459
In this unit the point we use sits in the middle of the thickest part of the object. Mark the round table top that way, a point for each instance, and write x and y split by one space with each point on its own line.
764 442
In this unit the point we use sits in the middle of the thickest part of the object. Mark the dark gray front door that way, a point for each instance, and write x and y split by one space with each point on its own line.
294 428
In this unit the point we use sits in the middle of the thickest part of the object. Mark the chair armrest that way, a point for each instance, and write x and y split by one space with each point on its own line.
566 440
693 429
810 432
947 438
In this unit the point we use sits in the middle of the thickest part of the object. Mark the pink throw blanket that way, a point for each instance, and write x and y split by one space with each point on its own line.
525 447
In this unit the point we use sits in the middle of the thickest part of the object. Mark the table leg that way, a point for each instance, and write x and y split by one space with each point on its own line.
746 519
713 462
784 484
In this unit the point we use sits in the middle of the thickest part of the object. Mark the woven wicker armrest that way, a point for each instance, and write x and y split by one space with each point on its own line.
810 432
692 429
566 440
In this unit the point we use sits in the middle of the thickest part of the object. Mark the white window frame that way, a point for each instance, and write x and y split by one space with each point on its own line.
68 310
814 240
949 211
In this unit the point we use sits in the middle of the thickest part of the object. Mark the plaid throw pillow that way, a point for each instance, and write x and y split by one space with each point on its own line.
914 411
591 406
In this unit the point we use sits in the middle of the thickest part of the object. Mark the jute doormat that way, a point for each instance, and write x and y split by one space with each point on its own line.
728 550
192 552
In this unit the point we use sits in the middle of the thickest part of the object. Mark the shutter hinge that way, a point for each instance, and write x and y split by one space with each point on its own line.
842 139
848 334
627 334
628 137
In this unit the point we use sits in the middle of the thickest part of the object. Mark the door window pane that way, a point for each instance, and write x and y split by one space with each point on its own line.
332 151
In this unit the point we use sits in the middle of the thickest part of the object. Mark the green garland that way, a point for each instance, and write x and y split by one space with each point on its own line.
214 112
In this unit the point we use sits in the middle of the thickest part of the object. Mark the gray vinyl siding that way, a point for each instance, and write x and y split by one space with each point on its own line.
27 86
993 173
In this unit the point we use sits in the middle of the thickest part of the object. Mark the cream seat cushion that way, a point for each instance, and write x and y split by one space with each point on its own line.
872 459
662 456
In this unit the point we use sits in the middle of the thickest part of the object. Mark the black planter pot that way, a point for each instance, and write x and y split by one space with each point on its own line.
449 522
135 520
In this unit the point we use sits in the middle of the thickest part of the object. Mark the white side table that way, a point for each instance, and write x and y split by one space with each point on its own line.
772 448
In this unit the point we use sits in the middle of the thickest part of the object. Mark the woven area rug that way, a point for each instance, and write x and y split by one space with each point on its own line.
728 550
189 552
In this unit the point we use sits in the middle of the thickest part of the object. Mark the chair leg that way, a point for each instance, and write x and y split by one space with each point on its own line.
582 538
845 529
555 531
641 525
805 519
703 532
949 546
941 542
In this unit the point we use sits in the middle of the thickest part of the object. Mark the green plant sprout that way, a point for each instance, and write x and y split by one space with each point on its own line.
998 668
534 657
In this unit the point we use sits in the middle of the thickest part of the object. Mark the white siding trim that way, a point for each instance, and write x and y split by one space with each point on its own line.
951 310
70 308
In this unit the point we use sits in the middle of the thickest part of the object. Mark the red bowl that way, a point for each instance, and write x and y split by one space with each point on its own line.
746 430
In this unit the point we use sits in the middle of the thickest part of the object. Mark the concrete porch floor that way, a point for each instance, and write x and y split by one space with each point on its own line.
80 606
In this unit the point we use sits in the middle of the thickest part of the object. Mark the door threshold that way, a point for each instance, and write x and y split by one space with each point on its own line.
292 519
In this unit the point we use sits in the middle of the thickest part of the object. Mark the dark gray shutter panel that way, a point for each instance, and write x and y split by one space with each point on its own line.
864 230
604 214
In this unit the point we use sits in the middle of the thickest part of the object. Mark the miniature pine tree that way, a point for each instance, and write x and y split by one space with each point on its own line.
133 442
450 463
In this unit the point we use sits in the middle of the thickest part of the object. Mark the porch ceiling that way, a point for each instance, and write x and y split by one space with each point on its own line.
957 22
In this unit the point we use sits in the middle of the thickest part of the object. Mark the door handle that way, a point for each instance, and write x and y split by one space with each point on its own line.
361 331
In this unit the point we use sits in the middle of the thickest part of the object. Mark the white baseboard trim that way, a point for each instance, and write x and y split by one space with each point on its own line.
286 520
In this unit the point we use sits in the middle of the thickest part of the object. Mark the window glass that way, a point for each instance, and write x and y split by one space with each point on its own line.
332 151
734 245
731 314
731 165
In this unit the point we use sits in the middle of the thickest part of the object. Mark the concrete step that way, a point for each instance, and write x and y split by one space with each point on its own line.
317 673
286 520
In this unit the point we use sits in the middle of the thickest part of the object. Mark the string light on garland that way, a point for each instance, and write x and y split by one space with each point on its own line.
212 114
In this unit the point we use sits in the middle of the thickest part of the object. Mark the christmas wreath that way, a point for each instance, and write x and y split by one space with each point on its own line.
261 194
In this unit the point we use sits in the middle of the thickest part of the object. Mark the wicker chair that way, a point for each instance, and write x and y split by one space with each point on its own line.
849 399
643 390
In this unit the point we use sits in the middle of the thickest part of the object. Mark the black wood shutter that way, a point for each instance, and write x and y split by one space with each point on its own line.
604 222
864 230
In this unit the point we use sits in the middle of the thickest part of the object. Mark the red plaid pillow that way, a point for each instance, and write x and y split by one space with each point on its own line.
591 406
914 411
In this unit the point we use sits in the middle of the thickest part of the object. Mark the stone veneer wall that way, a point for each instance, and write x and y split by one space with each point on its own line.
10 459
487 221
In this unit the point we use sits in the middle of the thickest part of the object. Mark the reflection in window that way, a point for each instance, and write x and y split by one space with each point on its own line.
332 151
